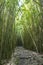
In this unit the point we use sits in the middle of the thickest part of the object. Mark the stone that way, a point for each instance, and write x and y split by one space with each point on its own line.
22 56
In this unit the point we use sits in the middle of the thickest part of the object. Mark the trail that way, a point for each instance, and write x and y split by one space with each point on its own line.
22 56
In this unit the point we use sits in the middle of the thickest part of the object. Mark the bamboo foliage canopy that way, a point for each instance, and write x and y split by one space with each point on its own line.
20 19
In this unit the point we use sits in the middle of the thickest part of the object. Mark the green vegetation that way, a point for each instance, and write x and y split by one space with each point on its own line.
20 20
7 28
27 24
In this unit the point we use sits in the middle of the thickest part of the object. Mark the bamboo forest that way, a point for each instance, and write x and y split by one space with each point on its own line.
21 27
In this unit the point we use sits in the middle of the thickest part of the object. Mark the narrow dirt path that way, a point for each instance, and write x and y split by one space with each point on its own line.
22 56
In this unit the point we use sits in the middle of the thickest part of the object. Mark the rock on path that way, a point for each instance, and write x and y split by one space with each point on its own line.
22 56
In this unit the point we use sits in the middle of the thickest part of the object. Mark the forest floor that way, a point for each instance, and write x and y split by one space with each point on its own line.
22 56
